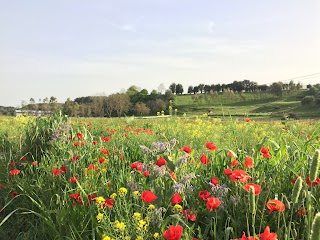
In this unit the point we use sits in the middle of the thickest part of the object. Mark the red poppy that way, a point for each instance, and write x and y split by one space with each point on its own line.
108 203
14 194
315 182
275 205
173 232
12 164
191 216
105 139
15 172
211 146
212 203
63 169
227 171
56 172
101 160
204 159
148 196
92 167
105 151
234 163
160 162
265 152
94 142
73 179
301 212
247 238
1 186
79 135
137 165
240 175
214 181
248 162
92 197
24 158
146 173
74 158
257 188
204 195
186 149
247 119
231 154
76 144
267 235
34 163
176 198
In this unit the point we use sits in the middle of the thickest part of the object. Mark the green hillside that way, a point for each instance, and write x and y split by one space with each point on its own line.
253 105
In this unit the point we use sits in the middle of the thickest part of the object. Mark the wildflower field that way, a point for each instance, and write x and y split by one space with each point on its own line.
175 178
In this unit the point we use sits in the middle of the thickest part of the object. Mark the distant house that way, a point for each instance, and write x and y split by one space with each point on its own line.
36 113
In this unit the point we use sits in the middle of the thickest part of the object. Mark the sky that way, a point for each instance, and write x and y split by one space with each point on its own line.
74 48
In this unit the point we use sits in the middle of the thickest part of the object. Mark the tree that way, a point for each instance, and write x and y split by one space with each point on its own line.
157 105
133 90
70 108
179 89
276 89
141 108
119 102
32 104
172 87
190 89
53 104
207 88
201 87
195 89
168 95
161 88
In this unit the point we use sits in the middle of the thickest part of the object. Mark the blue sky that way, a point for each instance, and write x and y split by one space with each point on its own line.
73 48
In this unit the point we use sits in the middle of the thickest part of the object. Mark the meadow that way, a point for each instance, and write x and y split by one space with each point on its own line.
174 178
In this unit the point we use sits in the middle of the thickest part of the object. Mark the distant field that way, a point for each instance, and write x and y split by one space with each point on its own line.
245 104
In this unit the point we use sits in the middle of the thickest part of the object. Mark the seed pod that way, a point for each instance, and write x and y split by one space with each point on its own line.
314 166
315 231
296 190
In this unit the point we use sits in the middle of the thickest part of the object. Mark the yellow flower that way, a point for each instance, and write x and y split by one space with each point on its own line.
151 207
136 194
142 225
156 235
136 216
100 201
119 225
99 217
122 192
105 237
113 195
177 208
139 238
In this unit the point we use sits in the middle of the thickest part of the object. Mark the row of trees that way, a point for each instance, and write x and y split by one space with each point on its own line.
132 102
237 86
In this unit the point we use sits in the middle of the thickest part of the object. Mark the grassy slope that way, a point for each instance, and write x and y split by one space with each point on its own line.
251 104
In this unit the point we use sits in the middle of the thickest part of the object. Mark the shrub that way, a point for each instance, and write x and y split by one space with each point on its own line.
308 100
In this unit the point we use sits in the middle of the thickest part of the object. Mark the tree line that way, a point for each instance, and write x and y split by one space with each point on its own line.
136 101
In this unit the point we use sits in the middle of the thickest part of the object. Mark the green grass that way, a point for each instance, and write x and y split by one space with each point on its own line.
245 104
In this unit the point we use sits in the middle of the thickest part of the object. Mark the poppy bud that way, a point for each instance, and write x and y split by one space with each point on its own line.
286 202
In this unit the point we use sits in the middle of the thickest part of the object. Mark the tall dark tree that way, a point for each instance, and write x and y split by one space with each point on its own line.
190 89
179 89
201 87
172 87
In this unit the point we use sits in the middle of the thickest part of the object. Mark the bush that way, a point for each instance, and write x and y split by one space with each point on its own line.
308 100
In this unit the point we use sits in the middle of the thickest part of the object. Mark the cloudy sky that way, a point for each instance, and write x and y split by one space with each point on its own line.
73 48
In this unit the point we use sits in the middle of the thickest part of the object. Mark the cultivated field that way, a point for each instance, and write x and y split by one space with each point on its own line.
173 178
